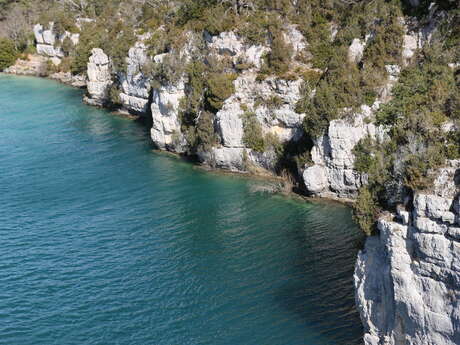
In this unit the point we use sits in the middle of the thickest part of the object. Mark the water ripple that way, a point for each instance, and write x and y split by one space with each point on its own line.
103 241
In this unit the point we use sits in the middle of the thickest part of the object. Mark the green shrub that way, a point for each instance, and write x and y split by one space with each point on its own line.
67 46
8 53
219 88
279 57
253 136
364 155
416 173
319 38
206 136
365 211
114 95
91 37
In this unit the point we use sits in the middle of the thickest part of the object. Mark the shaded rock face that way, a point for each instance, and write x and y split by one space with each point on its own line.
407 278
49 43
332 174
99 78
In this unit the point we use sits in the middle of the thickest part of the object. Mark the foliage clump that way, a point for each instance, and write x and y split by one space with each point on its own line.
253 135
8 53
365 211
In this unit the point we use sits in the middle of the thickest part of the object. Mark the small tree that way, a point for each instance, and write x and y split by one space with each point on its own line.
8 53
365 211
253 136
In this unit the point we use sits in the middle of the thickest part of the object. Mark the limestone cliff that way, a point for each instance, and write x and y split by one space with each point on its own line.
407 278
49 43
99 78
332 173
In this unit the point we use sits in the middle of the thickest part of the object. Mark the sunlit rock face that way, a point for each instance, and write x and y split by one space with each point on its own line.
407 278
49 44
333 174
99 78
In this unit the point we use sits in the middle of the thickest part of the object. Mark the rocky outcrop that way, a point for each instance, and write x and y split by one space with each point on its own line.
228 44
407 278
135 85
166 132
69 79
272 101
49 44
99 78
332 174
356 50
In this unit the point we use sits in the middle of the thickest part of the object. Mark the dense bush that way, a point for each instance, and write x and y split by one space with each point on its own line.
365 211
8 53
253 136
219 88
205 134
337 89
280 55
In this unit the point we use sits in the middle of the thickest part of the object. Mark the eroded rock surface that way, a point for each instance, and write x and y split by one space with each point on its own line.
136 85
332 174
407 278
99 78
49 44
166 132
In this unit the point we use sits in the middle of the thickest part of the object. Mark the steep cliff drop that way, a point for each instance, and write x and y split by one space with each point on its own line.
407 278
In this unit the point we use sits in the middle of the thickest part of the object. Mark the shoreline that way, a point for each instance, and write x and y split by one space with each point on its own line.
285 189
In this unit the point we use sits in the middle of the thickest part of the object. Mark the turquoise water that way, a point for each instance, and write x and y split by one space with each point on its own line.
103 241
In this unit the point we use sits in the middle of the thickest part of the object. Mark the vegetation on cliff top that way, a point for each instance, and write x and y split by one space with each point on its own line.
425 99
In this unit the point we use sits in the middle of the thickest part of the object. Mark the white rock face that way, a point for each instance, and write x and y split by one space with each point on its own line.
356 51
228 44
229 158
333 157
136 85
279 119
294 38
49 44
166 132
407 278
410 45
230 124
99 78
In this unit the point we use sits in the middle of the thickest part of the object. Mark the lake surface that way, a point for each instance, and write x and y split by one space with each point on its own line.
103 241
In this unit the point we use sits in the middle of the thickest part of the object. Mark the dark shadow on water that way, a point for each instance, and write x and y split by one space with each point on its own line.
323 296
